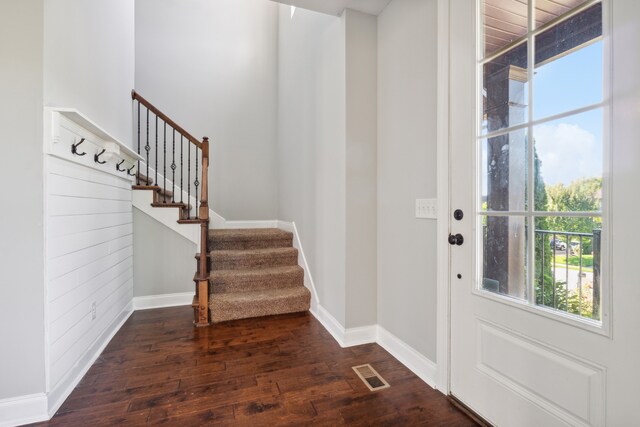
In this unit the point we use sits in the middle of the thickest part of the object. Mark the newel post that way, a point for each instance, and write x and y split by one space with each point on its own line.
203 279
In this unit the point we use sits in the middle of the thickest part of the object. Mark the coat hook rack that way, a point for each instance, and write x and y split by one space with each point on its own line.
118 166
96 157
74 148
130 169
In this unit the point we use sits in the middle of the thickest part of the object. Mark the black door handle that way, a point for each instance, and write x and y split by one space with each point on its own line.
456 239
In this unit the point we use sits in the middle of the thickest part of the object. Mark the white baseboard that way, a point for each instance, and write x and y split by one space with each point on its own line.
345 337
59 394
420 365
424 368
41 407
23 410
330 324
161 301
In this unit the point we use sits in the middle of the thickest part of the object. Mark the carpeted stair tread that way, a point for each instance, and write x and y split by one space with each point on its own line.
253 258
242 305
224 281
249 238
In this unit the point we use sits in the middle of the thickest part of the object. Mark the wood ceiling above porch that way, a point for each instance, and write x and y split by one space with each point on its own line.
506 20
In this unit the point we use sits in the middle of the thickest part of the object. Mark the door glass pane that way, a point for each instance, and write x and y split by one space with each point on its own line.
504 172
504 248
504 21
548 10
568 163
563 85
505 91
567 264
569 67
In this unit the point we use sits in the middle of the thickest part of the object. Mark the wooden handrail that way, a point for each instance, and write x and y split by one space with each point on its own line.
136 96
201 299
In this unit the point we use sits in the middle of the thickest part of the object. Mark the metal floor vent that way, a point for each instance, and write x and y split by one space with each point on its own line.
370 377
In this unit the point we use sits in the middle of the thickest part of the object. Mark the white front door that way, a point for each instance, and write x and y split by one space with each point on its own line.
545 170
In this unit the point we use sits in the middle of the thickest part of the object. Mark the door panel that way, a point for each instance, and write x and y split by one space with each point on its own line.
520 357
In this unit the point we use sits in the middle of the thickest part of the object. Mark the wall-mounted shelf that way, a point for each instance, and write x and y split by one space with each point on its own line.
68 127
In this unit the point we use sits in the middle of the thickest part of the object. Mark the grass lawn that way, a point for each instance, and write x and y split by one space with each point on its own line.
574 262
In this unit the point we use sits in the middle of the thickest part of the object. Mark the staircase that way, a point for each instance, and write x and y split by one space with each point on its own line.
246 272
254 272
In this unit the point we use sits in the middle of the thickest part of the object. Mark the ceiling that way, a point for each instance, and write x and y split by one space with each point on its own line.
335 7
506 20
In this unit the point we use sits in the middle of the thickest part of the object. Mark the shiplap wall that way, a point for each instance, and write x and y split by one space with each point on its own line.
89 247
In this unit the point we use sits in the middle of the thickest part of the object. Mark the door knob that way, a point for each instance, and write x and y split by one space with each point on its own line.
456 239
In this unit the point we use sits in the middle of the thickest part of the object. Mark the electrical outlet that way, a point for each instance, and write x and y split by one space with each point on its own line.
426 208
93 311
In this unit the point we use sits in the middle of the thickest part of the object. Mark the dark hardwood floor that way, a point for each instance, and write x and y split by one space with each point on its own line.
282 370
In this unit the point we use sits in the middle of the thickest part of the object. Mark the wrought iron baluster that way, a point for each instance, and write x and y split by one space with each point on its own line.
553 281
196 183
580 279
156 152
147 147
164 161
173 168
542 247
181 167
566 266
189 178
138 169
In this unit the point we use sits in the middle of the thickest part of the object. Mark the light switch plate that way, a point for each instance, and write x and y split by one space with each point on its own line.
426 208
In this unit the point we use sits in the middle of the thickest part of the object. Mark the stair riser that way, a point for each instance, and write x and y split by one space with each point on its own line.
221 312
245 284
242 261
215 244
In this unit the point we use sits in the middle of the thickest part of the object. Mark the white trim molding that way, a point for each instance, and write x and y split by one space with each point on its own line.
443 247
21 410
38 407
345 337
417 363
424 368
160 301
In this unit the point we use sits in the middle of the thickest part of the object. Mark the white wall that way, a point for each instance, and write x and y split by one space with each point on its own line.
407 31
89 60
212 67
165 262
21 244
327 153
66 53
361 169
311 145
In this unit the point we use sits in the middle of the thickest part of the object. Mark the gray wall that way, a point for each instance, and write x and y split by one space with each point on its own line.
212 67
327 153
311 145
361 137
21 245
89 60
164 260
407 31
58 53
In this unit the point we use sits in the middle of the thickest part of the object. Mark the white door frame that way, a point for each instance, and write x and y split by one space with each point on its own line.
443 303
